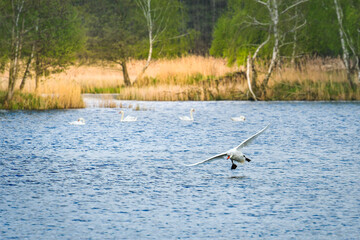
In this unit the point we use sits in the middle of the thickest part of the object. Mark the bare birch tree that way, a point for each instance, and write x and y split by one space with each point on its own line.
156 21
346 44
16 45
252 77
274 8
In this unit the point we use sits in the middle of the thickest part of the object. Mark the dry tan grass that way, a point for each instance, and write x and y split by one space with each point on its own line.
188 78
56 93
310 69
62 94
212 91
164 70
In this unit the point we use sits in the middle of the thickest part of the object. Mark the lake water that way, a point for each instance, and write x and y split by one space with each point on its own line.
115 180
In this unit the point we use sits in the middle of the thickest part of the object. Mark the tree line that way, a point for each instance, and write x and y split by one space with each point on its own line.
286 31
44 36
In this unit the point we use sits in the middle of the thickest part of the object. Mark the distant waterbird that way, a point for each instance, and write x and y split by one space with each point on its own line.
234 154
186 118
238 119
127 118
80 121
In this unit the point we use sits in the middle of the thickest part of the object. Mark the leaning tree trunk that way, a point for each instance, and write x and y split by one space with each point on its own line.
27 70
249 66
38 72
127 81
145 6
151 42
28 64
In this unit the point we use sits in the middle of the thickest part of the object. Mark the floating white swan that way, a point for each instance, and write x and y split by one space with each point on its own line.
238 119
128 118
234 154
80 121
186 118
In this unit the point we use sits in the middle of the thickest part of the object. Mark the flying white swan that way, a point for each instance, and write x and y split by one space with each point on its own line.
128 118
234 154
80 121
238 119
186 118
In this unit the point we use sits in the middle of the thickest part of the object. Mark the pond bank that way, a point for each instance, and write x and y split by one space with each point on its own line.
186 79
210 91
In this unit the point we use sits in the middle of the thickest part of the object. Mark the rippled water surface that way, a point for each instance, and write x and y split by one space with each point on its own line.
116 180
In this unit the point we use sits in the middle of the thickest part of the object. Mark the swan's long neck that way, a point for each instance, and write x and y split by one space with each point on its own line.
122 116
191 115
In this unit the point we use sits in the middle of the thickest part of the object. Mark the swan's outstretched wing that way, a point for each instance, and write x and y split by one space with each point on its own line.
209 159
250 139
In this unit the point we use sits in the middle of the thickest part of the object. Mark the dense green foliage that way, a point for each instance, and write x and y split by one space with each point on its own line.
311 26
37 36
117 29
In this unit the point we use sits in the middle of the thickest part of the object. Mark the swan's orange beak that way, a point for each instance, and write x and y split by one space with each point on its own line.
228 157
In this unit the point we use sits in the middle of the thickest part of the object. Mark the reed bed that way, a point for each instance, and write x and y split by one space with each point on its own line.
315 79
62 93
51 94
311 79
188 78
107 77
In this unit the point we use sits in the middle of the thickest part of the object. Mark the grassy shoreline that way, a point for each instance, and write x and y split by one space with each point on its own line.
34 101
189 78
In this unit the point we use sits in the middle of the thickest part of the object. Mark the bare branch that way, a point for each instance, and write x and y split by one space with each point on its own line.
260 46
256 22
284 44
294 5
179 36
292 17
261 2
267 5
298 27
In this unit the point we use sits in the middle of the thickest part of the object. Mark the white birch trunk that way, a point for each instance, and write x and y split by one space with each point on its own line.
274 14
249 66
151 40
145 6
156 24
346 57
16 48
295 41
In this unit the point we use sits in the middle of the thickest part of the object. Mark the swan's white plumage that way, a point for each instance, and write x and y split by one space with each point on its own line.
80 121
238 119
186 118
234 154
127 118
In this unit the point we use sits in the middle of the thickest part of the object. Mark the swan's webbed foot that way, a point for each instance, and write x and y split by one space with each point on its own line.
233 166
248 159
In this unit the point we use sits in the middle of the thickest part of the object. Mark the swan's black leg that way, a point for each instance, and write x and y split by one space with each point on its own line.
233 166
247 159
